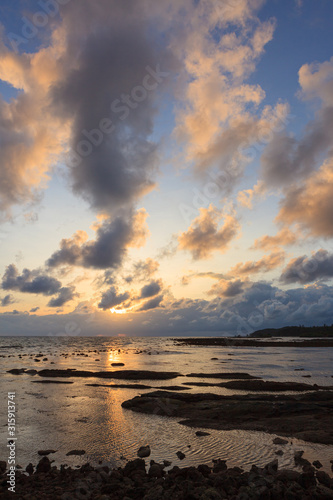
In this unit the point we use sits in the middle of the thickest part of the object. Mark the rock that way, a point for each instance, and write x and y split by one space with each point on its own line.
279 440
214 359
155 470
299 460
45 359
180 455
43 453
272 413
272 467
31 372
202 433
317 464
230 376
75 452
44 465
16 371
271 386
117 364
167 463
323 492
30 469
117 374
279 453
219 465
144 451
324 478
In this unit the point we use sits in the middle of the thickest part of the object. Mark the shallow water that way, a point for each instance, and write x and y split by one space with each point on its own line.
75 416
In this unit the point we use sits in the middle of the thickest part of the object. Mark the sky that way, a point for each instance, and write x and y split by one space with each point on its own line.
166 167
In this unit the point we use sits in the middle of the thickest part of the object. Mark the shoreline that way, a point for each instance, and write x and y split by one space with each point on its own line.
138 480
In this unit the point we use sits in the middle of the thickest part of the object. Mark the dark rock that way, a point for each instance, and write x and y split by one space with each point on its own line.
230 376
16 371
214 359
279 440
317 464
31 372
324 478
117 364
117 374
279 453
219 465
271 386
144 451
30 469
202 433
305 416
167 463
75 452
43 453
44 465
180 455
155 470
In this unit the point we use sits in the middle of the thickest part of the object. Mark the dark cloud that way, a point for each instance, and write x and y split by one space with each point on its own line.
8 299
113 237
307 269
34 309
153 288
287 160
112 298
151 304
65 295
112 71
29 281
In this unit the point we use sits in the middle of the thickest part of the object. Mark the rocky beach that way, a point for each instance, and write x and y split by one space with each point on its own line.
222 421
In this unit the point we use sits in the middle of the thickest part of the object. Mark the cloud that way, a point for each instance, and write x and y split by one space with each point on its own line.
112 298
113 237
151 304
283 238
310 204
66 294
246 197
5 301
264 265
227 288
29 281
287 160
214 121
153 288
204 236
307 269
143 270
34 309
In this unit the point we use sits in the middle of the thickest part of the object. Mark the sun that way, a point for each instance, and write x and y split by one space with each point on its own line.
118 311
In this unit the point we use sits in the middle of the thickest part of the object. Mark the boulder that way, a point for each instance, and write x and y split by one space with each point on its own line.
144 451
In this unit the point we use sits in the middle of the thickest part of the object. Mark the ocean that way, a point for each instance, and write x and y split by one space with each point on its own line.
64 417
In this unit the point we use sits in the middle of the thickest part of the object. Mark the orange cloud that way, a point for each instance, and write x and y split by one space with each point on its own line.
311 205
204 236
264 265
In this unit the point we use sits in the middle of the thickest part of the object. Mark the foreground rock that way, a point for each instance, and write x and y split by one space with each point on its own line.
189 483
305 416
